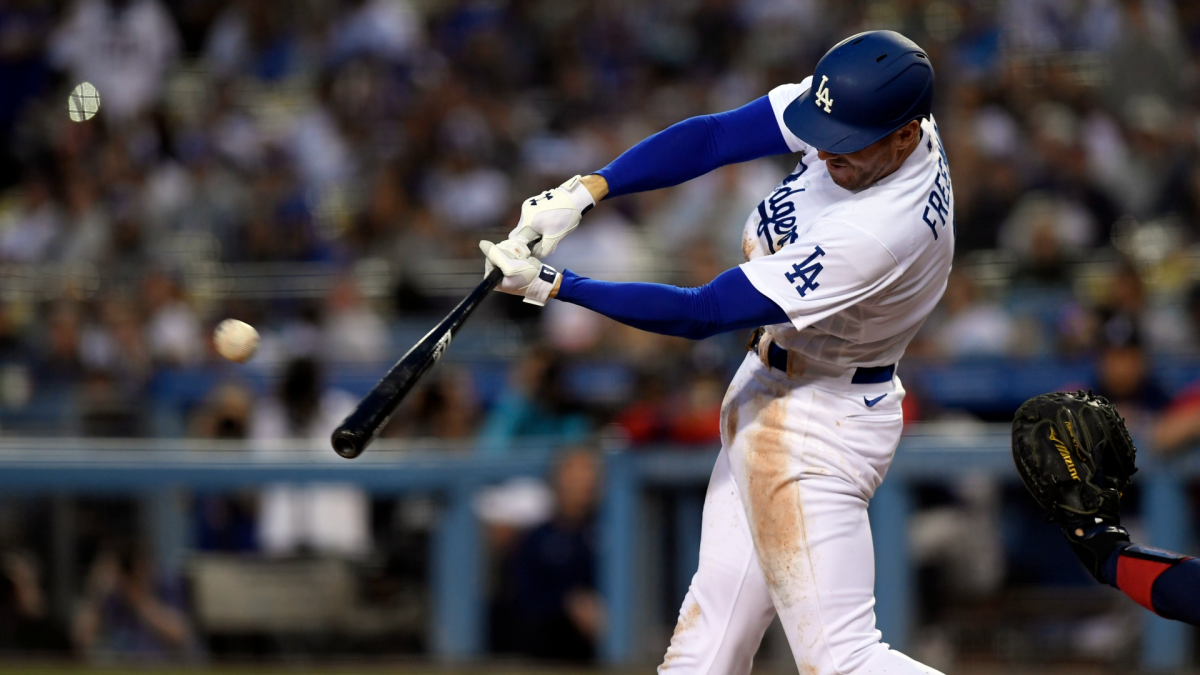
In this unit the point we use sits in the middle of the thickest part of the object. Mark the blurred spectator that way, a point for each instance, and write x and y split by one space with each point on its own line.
508 512
116 343
982 210
465 195
27 230
1046 267
536 411
353 331
24 25
710 210
60 364
1179 426
387 29
225 414
127 613
124 47
1122 375
554 570
173 333
87 229
969 326
1127 308
326 518
26 625
956 542
1040 217
1147 57
692 416
227 523
1180 423
443 408
253 37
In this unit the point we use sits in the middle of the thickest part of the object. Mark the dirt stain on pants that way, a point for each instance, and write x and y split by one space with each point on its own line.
775 509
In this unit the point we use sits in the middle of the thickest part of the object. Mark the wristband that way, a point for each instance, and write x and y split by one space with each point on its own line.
580 196
541 286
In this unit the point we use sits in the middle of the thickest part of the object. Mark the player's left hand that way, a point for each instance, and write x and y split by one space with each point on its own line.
523 274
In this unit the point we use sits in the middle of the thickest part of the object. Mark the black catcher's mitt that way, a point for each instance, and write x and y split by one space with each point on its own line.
1076 458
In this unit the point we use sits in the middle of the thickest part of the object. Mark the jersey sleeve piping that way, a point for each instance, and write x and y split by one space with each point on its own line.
780 98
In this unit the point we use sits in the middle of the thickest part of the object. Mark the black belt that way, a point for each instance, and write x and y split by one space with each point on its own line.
778 358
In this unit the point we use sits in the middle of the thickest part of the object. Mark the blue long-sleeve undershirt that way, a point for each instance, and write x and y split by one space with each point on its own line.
696 146
729 302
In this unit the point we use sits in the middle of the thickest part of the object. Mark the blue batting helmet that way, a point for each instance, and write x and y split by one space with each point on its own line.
863 89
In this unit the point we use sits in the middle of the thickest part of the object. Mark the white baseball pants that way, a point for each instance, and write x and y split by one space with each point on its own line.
785 528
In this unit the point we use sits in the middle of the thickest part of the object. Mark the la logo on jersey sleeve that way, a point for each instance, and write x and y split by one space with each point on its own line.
807 272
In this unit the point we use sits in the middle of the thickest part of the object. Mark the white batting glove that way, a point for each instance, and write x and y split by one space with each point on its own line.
523 275
552 215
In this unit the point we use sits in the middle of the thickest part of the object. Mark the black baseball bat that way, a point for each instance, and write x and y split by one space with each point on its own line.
377 407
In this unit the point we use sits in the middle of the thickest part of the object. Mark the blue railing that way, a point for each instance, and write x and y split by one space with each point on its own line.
158 470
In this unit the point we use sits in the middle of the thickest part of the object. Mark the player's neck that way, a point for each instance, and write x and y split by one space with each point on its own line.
899 160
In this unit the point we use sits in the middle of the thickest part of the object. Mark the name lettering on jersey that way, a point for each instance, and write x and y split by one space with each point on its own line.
776 223
939 198
807 272
822 96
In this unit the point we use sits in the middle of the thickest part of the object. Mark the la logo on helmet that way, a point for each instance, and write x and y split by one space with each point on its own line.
822 97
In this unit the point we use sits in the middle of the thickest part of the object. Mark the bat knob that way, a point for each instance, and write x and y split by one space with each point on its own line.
348 444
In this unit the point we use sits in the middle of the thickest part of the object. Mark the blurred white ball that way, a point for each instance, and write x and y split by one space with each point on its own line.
235 340
83 103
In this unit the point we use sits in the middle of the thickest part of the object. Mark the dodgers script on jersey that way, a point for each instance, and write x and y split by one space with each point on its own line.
856 272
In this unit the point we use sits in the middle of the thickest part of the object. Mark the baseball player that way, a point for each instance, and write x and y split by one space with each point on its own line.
844 260
1075 455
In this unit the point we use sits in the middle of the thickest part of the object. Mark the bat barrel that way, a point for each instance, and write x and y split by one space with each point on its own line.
377 407
348 443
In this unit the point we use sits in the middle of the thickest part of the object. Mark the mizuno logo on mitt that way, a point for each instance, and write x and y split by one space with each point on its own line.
1062 450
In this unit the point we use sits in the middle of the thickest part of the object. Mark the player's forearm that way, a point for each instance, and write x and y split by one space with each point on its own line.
694 147
1165 583
728 303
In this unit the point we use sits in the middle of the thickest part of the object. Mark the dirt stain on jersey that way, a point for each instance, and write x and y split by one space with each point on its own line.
731 419
748 244
689 616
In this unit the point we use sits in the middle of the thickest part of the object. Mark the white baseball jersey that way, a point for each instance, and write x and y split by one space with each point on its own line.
785 527
857 272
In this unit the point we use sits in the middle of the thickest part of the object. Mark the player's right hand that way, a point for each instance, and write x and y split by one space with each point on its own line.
551 215
523 274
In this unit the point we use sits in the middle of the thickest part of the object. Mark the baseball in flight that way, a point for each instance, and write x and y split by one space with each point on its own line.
83 103
235 340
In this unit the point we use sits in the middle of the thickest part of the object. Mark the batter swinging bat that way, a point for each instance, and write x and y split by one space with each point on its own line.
377 407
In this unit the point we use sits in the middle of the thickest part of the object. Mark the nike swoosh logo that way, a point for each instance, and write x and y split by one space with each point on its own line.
871 402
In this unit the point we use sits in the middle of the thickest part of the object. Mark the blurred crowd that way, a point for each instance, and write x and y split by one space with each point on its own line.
252 137
257 139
